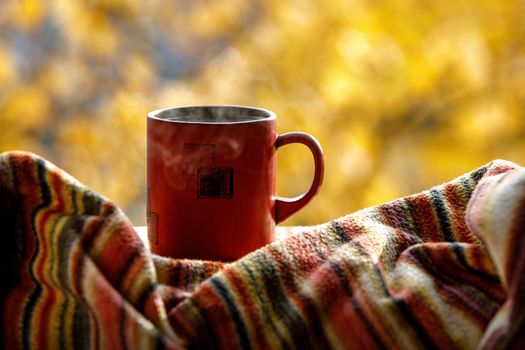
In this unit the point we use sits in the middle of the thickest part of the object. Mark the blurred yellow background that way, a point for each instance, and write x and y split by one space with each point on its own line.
402 94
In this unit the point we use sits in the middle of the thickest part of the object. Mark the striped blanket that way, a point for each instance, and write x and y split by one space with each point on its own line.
444 268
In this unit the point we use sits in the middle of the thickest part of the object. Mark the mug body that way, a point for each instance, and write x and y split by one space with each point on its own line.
211 181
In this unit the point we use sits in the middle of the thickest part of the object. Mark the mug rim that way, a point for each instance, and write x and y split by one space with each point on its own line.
155 114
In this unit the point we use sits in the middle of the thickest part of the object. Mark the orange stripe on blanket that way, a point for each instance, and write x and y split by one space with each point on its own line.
249 310
44 263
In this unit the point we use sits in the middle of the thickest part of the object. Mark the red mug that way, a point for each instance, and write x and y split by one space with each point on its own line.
211 180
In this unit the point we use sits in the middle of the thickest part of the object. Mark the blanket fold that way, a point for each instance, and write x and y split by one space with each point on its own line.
444 268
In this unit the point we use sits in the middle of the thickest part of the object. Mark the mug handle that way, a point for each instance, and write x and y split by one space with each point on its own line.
285 207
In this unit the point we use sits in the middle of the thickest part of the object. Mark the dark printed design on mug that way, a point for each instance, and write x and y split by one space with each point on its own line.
215 183
202 154
153 227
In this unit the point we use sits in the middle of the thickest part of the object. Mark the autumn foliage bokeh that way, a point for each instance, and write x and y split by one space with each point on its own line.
402 94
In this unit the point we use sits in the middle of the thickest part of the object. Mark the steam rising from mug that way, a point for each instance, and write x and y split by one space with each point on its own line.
211 180
213 114
192 154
